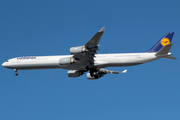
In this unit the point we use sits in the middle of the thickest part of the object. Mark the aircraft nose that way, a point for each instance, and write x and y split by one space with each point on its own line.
3 64
6 64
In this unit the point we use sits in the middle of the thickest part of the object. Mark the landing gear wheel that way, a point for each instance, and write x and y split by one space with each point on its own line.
16 74
15 70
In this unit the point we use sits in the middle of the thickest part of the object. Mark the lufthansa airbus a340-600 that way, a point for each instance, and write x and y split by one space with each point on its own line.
86 59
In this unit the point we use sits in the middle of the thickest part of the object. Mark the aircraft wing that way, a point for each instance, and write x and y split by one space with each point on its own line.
105 71
89 49
93 42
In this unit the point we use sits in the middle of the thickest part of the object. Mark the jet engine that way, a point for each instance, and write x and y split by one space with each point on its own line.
77 50
94 77
74 73
66 61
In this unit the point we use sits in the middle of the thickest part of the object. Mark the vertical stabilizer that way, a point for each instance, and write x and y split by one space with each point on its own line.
165 40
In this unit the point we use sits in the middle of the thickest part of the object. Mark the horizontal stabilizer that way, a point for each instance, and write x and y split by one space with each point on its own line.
169 57
164 50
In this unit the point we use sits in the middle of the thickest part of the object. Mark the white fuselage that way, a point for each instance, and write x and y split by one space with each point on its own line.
101 61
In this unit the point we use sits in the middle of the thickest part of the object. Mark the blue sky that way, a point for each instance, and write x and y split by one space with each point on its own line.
44 27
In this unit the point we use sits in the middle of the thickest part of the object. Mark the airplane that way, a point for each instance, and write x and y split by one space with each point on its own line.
86 59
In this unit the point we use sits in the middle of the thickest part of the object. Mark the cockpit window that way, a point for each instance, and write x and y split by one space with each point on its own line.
7 61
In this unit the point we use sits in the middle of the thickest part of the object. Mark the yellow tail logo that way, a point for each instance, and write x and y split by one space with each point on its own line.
165 41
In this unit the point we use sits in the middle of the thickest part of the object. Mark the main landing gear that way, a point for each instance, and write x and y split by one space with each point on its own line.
92 71
15 70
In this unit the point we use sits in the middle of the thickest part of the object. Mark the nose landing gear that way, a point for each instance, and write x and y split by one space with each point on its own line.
15 70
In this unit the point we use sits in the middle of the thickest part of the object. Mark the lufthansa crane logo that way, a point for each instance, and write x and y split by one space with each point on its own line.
165 41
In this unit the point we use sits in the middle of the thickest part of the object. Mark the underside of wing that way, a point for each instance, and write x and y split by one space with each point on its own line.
95 74
86 53
105 71
93 42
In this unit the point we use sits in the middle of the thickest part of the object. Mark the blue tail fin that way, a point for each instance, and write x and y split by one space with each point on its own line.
166 39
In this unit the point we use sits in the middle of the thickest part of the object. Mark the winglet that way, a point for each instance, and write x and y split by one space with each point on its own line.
102 29
124 71
114 72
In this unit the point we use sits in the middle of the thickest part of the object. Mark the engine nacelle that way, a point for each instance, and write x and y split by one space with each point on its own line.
66 61
89 77
77 50
74 73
